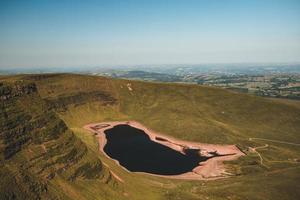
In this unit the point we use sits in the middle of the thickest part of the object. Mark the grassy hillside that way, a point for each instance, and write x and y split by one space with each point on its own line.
190 112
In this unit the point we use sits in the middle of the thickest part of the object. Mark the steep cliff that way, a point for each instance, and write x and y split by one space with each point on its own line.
36 145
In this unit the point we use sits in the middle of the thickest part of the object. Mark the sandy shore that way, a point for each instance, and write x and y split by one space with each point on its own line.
212 168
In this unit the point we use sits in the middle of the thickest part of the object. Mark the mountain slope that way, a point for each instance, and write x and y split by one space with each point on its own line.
190 112
36 146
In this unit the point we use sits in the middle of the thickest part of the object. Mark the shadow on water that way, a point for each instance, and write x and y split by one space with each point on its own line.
136 152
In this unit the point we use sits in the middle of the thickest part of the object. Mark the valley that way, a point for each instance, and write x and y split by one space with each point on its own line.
59 159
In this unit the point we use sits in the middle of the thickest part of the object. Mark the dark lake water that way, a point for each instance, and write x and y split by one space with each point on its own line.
136 152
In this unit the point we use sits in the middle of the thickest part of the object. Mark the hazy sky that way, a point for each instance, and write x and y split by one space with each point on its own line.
91 33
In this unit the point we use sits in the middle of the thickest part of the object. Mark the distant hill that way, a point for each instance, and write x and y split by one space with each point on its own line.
147 76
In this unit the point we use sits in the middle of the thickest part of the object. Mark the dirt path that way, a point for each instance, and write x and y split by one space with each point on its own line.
253 149
212 168
113 173
276 141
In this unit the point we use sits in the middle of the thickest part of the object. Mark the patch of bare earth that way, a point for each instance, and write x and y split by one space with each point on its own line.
213 168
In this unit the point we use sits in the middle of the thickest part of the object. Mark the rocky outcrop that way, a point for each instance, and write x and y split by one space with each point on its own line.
61 102
16 89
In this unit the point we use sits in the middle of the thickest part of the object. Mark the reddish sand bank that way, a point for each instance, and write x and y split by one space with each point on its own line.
210 169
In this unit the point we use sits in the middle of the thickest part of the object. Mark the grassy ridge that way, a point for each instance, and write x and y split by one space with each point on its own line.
190 112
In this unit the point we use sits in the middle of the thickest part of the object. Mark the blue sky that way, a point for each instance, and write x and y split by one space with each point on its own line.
95 33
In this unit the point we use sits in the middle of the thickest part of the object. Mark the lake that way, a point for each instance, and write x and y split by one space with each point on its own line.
136 152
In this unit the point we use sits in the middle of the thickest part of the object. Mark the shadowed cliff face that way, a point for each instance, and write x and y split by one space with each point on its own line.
58 98
60 103
36 145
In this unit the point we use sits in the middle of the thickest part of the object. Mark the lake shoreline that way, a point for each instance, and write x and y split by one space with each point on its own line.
213 168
